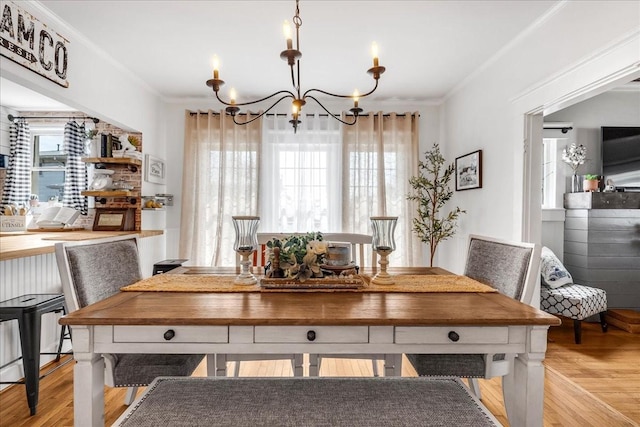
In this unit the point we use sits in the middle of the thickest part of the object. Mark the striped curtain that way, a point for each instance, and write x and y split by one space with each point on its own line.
75 172
17 184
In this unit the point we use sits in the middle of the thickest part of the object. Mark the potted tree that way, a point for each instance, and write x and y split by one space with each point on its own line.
431 192
590 182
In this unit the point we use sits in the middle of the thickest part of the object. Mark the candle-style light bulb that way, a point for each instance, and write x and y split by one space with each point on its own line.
374 53
286 29
356 98
232 95
295 111
216 66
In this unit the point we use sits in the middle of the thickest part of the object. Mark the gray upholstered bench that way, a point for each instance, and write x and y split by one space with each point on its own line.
353 402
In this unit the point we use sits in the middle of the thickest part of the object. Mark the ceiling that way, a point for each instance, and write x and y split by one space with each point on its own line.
428 47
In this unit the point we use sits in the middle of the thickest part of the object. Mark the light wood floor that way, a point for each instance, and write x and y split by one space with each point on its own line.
596 383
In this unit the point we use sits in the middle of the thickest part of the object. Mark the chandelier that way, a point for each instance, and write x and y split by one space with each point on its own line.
299 99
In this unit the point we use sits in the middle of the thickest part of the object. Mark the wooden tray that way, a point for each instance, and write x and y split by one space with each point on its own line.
320 283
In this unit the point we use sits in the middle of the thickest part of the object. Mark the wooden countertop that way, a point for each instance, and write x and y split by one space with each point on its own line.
23 244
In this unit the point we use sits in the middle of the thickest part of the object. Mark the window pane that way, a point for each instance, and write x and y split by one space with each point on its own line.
47 176
301 177
47 185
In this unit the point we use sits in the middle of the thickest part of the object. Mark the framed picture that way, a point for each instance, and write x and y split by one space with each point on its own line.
154 169
116 219
469 171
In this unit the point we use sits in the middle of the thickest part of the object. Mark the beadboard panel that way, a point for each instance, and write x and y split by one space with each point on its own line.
30 275
602 249
39 275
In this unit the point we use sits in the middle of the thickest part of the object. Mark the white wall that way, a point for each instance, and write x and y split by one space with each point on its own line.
546 66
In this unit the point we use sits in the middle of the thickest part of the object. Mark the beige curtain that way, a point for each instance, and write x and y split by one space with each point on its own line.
380 154
220 179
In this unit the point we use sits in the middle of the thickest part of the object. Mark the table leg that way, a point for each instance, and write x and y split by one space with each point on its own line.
221 365
523 387
393 365
211 365
314 369
298 369
88 381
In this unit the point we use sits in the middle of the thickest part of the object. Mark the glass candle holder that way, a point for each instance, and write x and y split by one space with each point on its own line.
245 244
383 243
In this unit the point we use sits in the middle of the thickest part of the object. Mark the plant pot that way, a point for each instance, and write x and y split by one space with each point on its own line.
590 185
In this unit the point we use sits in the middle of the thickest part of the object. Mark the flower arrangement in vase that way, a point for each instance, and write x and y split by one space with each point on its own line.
297 257
574 156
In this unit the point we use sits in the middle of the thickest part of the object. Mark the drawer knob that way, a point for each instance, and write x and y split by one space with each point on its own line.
453 336
169 334
311 335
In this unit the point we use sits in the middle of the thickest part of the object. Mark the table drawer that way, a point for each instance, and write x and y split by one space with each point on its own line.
186 334
451 335
309 334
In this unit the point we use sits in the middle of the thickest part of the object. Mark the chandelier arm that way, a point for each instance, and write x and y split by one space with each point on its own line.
261 114
355 118
239 104
340 96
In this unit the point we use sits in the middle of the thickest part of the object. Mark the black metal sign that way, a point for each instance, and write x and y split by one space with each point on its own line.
30 43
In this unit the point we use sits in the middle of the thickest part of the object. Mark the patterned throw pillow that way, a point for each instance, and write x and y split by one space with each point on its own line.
553 273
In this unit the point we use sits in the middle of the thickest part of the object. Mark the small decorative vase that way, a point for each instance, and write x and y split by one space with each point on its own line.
576 184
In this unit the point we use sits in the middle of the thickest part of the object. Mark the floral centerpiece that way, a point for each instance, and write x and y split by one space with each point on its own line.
297 256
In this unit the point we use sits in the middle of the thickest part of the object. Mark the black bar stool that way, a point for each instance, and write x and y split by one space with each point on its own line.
28 310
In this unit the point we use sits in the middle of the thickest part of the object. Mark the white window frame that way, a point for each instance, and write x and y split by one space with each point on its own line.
48 130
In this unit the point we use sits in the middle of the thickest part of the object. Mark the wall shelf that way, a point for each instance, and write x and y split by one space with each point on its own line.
113 160
109 193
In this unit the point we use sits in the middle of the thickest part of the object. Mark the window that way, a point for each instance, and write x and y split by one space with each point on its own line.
554 172
301 180
549 165
49 160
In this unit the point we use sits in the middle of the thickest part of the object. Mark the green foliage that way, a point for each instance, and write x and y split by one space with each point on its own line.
591 177
431 192
293 248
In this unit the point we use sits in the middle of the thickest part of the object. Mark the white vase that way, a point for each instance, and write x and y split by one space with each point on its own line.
94 147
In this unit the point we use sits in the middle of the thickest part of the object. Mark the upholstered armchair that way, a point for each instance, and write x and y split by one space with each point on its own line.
96 269
510 267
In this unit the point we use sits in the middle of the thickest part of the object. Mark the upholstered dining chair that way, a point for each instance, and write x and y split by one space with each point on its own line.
96 269
513 269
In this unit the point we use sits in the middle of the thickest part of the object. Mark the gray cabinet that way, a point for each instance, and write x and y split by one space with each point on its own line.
602 245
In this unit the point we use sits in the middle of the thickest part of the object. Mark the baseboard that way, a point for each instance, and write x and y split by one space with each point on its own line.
627 320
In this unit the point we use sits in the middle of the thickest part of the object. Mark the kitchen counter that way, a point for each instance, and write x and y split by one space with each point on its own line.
22 244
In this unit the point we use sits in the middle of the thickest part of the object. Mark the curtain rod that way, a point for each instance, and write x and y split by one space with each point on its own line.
11 118
193 113
564 129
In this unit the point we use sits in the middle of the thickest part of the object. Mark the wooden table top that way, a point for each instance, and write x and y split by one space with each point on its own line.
294 308
29 243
